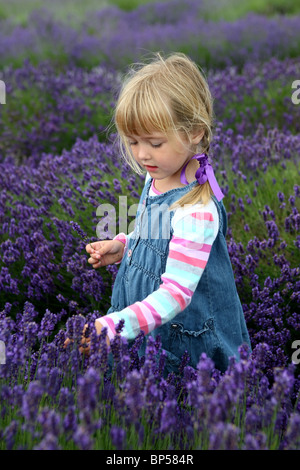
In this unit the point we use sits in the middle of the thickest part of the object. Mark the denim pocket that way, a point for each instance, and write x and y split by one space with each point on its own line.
196 342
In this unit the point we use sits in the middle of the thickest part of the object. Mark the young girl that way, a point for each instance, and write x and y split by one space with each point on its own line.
175 278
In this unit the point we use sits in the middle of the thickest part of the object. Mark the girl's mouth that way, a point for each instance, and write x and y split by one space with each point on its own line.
151 168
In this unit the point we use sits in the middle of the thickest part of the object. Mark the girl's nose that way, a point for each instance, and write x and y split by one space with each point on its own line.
142 152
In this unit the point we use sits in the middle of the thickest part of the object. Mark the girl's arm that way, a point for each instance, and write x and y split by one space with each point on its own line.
189 249
124 239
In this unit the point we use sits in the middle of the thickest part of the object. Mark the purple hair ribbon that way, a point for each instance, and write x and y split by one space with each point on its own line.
205 172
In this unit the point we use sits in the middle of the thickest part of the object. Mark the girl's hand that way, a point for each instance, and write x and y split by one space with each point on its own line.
86 342
105 252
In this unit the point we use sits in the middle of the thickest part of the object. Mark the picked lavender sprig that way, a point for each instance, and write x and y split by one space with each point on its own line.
76 227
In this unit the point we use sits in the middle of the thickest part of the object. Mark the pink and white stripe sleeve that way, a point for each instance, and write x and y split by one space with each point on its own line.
124 239
194 232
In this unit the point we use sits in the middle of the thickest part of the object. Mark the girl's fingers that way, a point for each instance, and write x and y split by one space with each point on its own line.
97 265
85 348
96 255
94 262
92 247
89 248
67 342
94 259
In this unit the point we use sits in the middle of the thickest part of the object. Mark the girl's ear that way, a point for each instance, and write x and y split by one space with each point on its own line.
197 136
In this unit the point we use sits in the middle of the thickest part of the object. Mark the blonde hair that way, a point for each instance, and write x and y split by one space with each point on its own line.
170 96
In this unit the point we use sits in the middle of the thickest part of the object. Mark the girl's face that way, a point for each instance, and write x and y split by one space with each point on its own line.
162 156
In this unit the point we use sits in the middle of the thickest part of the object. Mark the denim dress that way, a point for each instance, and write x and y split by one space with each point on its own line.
213 322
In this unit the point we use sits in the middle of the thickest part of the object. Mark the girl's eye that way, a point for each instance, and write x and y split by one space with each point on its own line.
156 145
132 143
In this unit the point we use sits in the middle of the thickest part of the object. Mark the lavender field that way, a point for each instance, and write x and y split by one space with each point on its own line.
59 162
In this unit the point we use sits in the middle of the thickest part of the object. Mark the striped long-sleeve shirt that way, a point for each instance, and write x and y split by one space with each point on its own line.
194 230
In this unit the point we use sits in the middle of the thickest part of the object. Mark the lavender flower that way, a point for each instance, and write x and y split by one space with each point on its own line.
224 436
88 390
76 227
74 327
47 324
118 437
50 422
31 400
70 421
49 442
10 433
82 439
